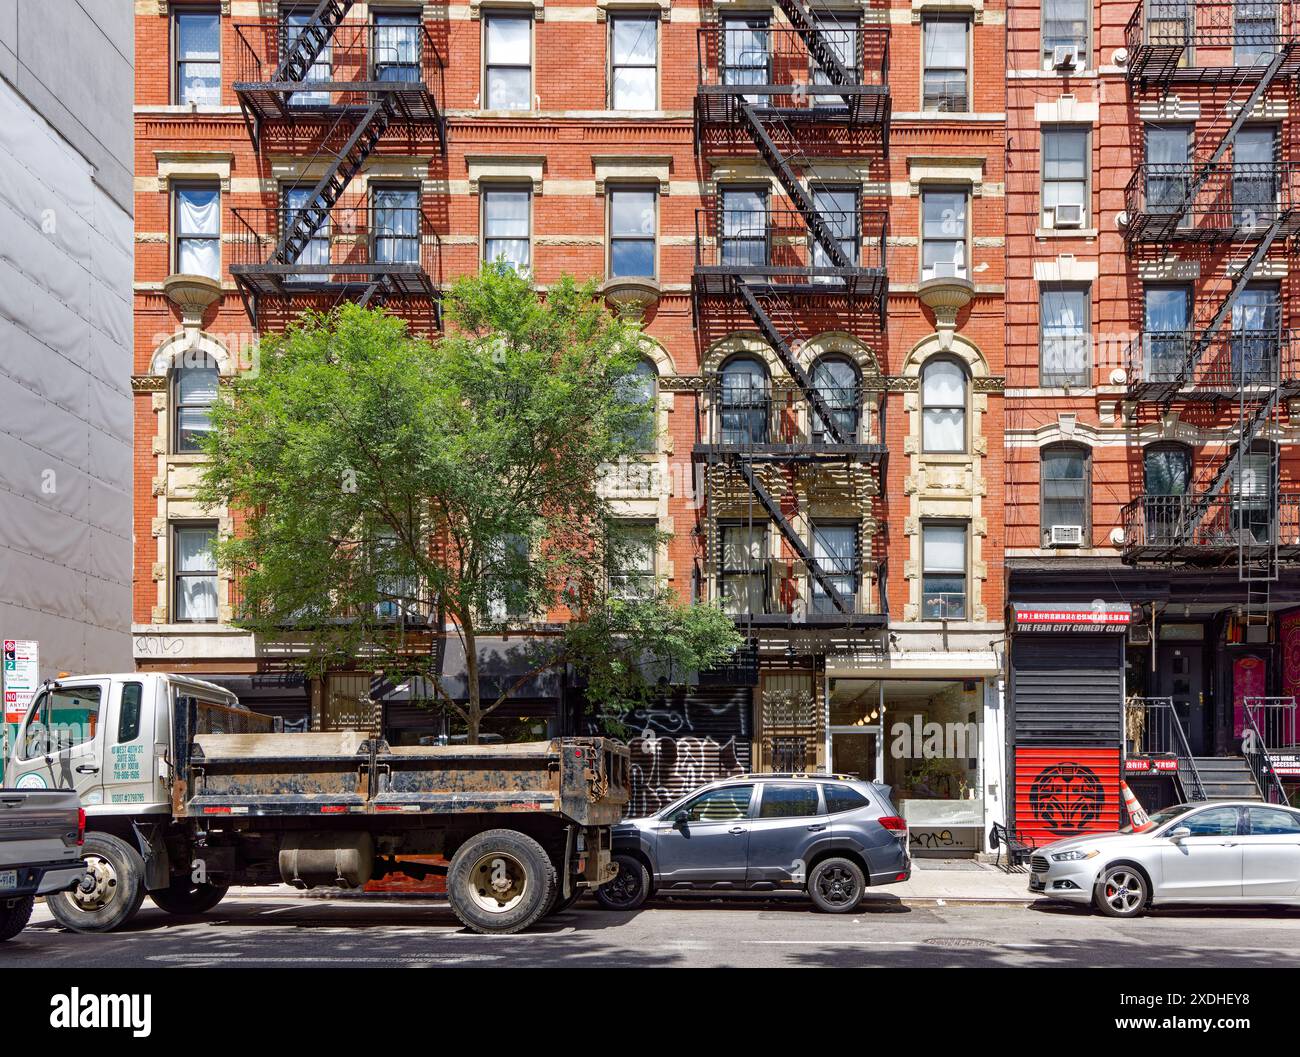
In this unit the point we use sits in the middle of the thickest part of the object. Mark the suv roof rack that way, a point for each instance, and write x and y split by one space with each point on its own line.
796 774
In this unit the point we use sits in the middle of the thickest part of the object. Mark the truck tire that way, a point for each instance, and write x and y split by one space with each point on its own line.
629 889
500 881
183 896
14 917
111 893
559 903
836 886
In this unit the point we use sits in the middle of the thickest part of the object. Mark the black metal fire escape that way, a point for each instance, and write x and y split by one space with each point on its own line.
773 118
359 111
1161 37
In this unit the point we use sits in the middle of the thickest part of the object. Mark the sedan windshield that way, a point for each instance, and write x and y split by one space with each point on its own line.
1159 818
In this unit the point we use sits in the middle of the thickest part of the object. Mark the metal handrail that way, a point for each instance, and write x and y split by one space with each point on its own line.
1256 748
1169 737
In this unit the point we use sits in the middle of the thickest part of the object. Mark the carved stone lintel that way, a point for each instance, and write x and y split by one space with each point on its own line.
148 383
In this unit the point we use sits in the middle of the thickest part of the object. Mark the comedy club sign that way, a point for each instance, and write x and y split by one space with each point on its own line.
1100 618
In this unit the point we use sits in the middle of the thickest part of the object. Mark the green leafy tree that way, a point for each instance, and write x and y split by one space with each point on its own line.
386 484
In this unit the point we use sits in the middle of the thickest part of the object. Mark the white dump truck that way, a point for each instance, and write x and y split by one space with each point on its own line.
186 793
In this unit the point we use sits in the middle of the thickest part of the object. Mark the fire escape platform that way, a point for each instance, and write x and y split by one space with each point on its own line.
793 454
285 280
270 101
864 106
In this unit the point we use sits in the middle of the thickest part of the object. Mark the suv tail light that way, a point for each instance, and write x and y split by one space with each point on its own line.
893 823
81 826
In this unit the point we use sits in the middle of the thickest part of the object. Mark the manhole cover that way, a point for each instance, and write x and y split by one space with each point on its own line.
958 941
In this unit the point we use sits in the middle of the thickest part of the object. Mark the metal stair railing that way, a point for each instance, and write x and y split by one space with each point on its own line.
1270 724
1161 731
818 47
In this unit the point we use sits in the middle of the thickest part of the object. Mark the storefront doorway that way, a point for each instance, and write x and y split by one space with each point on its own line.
1180 676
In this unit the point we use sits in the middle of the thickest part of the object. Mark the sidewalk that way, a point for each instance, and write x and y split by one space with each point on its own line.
957 882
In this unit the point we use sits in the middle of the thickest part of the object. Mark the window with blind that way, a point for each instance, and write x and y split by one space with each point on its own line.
943 575
507 227
943 233
742 569
1064 341
508 62
945 76
194 391
1064 480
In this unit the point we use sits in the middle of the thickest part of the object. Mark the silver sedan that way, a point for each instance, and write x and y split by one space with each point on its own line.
1221 852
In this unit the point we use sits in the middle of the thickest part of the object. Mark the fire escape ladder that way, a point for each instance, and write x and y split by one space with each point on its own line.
818 47
307 46
1239 282
799 195
791 363
307 221
773 509
1243 115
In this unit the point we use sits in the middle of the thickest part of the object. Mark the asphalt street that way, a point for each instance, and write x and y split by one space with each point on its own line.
273 930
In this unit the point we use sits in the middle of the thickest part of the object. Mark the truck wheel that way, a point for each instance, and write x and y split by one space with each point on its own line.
111 892
14 917
183 896
629 889
500 881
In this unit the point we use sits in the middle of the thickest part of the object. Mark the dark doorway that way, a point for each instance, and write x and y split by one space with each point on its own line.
1181 676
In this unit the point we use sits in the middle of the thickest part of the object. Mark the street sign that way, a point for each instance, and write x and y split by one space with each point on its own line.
21 676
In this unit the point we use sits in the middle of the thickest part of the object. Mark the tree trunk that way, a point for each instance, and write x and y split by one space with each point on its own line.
473 704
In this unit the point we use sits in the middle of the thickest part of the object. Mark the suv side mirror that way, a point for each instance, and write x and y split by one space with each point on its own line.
1178 833
679 820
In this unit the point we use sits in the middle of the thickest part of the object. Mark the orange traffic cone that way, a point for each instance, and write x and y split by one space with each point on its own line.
1137 816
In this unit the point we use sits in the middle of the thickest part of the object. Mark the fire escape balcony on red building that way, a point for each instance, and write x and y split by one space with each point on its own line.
1205 528
1163 365
1229 201
1189 42
281 80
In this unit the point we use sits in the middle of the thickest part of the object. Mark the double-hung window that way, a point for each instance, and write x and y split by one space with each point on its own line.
835 549
632 226
1065 26
316 250
838 209
508 62
943 574
1065 177
294 23
196 44
197 227
1063 312
841 36
195 573
746 51
943 234
634 62
396 233
943 406
1064 481
1255 33
506 227
398 46
744 227
1166 332
945 72
632 569
1168 153
194 392
742 578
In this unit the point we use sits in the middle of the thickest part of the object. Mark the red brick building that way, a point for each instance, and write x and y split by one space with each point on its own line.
805 208
1151 372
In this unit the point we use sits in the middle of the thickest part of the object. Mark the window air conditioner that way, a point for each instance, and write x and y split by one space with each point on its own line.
1139 635
1067 535
1065 57
1068 216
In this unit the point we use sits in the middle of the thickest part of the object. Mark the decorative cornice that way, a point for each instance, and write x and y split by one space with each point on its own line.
148 383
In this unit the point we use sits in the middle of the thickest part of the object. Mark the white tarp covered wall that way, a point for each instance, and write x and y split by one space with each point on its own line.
65 400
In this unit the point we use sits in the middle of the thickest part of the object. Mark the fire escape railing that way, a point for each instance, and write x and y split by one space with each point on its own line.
1209 41
1159 364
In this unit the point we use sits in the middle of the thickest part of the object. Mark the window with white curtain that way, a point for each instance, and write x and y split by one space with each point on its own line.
945 76
195 573
1064 341
316 251
197 228
633 62
396 223
742 576
398 46
835 549
632 226
294 22
506 227
943 406
196 44
195 391
943 233
1064 479
508 62
1065 177
943 575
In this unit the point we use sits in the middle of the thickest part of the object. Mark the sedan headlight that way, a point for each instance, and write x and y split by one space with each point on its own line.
1072 856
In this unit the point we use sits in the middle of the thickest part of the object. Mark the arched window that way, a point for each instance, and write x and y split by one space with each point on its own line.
1064 479
836 379
943 406
194 390
745 402
642 392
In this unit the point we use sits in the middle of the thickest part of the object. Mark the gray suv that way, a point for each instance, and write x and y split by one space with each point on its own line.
828 835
